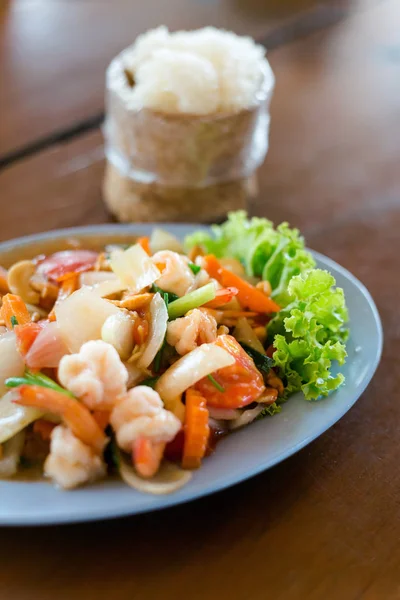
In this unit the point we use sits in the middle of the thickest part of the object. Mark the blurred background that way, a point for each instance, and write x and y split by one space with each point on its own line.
325 524
335 112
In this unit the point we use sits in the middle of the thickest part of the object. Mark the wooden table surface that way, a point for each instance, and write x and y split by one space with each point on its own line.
325 524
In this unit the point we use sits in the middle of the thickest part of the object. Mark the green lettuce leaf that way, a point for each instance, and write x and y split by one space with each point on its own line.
309 334
270 410
275 255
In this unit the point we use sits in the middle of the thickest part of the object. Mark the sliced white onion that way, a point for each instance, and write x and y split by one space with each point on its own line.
104 283
189 369
48 348
243 332
107 288
226 414
81 316
247 417
117 330
134 268
169 478
93 277
11 362
12 450
158 329
162 240
14 417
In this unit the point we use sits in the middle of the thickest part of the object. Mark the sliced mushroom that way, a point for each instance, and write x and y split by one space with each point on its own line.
19 281
47 292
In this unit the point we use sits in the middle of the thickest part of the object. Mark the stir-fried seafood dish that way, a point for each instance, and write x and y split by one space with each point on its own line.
137 359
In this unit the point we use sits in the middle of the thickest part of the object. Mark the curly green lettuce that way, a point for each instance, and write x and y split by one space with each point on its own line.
309 333
275 255
270 411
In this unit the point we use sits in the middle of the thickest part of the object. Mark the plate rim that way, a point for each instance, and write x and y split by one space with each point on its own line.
171 500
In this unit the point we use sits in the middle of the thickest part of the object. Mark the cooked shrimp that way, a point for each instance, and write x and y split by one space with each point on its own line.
71 462
140 415
95 375
202 278
75 415
197 327
147 456
176 276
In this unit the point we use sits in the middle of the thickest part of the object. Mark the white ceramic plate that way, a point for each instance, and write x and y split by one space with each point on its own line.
238 457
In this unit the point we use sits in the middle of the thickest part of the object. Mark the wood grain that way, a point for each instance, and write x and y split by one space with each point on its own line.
53 53
326 522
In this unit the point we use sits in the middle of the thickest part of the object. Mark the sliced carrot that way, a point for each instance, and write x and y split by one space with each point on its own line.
248 296
26 335
145 243
196 429
14 306
75 414
102 418
43 428
68 286
222 297
147 456
4 289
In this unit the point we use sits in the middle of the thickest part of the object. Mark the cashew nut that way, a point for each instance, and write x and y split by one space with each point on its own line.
48 292
18 280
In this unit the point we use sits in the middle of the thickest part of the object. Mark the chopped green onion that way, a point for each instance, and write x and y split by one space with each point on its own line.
262 361
14 321
215 383
13 382
171 296
36 379
158 358
192 300
194 268
150 382
47 382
